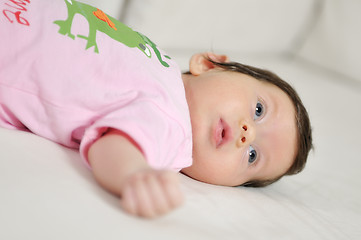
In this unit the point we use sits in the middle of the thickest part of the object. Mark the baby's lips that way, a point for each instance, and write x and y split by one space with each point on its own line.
218 133
228 133
222 133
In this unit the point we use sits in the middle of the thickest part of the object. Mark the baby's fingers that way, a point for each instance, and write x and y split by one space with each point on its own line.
151 193
153 196
158 197
171 188
128 201
135 197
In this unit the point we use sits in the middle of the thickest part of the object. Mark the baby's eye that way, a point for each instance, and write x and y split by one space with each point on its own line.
252 155
259 110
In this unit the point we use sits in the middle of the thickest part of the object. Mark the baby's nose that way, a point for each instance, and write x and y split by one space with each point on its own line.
247 134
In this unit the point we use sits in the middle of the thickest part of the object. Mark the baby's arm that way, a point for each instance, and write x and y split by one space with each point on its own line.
119 166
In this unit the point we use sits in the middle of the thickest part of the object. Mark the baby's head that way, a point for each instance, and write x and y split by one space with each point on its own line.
249 126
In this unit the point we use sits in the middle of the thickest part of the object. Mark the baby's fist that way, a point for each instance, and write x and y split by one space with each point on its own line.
151 193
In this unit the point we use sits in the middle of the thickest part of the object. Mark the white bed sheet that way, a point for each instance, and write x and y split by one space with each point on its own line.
47 193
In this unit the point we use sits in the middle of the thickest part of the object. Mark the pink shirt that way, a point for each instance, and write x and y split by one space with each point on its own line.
69 72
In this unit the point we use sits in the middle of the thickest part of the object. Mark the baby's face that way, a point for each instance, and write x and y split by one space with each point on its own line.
243 129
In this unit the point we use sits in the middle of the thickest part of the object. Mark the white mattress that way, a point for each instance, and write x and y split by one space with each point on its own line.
47 193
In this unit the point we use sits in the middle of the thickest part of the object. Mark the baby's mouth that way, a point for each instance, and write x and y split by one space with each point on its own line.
222 133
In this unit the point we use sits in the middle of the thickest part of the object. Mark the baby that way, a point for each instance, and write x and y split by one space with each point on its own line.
78 77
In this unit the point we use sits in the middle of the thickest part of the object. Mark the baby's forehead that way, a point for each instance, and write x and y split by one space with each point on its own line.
276 88
273 85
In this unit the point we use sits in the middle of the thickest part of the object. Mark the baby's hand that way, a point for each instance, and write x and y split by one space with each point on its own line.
151 193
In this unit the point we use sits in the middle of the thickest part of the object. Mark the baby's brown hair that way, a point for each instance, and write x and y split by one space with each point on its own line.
304 131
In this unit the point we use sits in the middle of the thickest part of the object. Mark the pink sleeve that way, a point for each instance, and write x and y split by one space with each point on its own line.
164 143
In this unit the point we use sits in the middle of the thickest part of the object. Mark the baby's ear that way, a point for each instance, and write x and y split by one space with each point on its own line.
201 63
